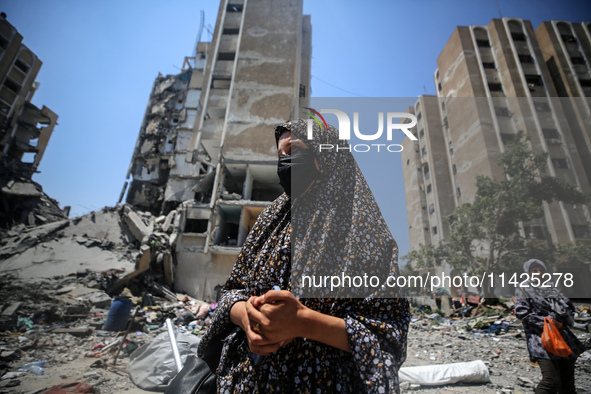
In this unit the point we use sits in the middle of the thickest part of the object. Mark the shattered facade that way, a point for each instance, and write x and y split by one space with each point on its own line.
19 119
24 133
205 157
493 81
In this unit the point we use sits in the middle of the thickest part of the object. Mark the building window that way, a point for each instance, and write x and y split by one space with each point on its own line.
429 188
502 111
421 133
453 169
434 230
10 84
586 83
196 225
230 30
533 81
483 43
234 7
419 116
21 66
3 42
518 36
560 163
458 192
431 208
577 60
550 133
542 107
581 231
426 229
507 138
302 90
568 38
221 82
226 56
426 172
488 64
526 59
445 124
535 232
495 87
423 151
439 86
407 161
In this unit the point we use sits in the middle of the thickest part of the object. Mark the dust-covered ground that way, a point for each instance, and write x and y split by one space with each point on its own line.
505 355
61 320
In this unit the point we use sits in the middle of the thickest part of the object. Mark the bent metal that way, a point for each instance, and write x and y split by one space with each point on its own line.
345 130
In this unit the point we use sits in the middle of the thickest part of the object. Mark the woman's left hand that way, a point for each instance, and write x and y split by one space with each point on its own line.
278 313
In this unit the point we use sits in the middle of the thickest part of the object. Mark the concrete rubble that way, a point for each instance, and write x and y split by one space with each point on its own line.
22 201
114 238
61 323
58 282
61 320
60 279
493 336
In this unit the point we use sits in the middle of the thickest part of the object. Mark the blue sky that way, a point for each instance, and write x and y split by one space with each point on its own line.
101 57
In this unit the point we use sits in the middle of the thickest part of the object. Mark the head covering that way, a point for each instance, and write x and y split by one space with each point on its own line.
529 263
337 227
543 286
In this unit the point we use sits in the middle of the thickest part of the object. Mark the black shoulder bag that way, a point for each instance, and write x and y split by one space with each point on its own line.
198 374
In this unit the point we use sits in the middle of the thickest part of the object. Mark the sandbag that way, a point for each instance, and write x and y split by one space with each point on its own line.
152 366
435 375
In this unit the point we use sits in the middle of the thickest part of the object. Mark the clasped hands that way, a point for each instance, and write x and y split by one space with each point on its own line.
270 321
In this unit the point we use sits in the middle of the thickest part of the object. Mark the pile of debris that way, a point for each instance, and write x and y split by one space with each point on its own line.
492 335
62 280
59 325
23 201
118 238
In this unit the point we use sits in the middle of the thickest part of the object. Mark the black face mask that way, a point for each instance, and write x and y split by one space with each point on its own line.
297 171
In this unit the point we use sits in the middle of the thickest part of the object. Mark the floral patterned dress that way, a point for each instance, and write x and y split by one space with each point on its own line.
376 325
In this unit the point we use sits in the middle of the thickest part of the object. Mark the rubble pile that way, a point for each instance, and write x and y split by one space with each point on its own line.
492 336
60 282
58 323
114 238
23 201
69 287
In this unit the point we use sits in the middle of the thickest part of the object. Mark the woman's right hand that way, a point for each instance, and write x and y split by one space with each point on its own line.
256 342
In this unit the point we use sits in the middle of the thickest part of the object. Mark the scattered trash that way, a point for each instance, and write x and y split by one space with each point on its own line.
435 317
36 367
152 366
118 314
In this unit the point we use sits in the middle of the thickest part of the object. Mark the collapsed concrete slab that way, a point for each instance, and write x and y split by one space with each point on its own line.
96 242
22 201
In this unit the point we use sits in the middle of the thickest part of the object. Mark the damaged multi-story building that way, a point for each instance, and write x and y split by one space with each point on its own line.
205 158
25 131
492 82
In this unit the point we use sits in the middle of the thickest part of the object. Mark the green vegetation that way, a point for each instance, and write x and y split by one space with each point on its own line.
487 235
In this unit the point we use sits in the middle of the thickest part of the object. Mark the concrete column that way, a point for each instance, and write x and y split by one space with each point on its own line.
247 188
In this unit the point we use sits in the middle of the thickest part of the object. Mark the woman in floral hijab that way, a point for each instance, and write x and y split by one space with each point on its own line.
303 338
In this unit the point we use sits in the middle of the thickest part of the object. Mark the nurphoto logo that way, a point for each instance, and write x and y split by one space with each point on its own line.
344 127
